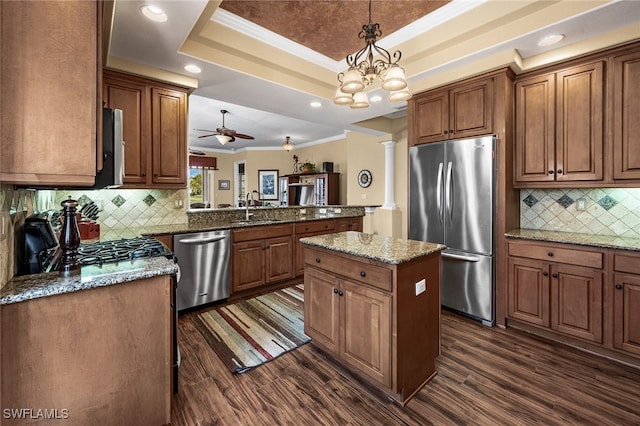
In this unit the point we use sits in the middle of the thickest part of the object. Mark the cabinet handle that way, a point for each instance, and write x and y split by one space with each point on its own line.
144 174
550 172
559 171
341 293
446 131
155 175
363 274
317 260
555 275
335 290
545 273
618 286
550 254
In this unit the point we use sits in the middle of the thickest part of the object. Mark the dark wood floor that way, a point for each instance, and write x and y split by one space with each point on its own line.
486 376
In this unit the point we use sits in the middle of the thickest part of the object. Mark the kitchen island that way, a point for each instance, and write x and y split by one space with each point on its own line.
373 304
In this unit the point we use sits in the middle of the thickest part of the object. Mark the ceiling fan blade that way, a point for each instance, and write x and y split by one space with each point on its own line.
205 130
194 152
206 136
243 136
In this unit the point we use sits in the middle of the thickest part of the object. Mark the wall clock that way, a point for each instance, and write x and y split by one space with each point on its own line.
364 178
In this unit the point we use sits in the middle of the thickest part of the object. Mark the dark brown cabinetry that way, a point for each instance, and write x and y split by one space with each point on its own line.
261 255
626 302
154 129
349 224
560 125
309 229
626 110
557 288
50 71
457 111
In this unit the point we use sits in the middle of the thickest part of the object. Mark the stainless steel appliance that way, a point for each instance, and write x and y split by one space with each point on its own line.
40 242
205 274
452 202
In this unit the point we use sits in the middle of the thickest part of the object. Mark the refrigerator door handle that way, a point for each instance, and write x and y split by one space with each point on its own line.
447 192
460 257
439 193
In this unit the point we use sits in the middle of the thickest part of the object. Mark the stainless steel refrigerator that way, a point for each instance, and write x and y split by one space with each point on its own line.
452 202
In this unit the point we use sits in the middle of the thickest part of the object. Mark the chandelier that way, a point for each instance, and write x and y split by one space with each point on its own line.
287 146
363 73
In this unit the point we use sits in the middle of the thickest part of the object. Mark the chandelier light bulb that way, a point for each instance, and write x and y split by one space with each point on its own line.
352 81
394 79
399 95
342 98
360 100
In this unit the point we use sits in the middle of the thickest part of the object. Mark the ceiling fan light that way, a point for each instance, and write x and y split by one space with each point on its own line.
342 98
223 139
400 95
394 79
360 100
352 81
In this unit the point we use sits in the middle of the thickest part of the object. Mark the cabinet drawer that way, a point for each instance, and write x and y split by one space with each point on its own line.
628 263
555 254
315 226
262 232
363 272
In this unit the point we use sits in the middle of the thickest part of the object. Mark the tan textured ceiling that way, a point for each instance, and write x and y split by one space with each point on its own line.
330 27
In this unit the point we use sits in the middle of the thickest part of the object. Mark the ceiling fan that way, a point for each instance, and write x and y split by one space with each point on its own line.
196 152
223 134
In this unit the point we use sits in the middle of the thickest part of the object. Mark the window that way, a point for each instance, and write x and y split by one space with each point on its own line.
201 181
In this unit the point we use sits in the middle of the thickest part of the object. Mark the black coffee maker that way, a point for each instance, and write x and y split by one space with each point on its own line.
40 242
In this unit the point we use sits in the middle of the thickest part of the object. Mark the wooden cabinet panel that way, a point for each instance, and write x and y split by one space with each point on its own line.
579 123
279 259
549 252
309 229
248 265
626 321
366 319
535 129
626 110
576 301
458 111
321 308
169 147
49 109
528 291
349 224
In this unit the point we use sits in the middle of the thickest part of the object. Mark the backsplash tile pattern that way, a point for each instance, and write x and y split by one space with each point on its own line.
608 211
15 206
126 208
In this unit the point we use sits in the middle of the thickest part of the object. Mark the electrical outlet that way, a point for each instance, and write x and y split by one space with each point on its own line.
337 210
581 204
322 211
421 286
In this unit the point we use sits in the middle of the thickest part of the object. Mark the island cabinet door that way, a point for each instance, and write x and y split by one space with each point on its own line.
321 308
366 323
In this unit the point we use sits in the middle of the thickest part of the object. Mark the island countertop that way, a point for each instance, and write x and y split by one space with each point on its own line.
372 246
27 287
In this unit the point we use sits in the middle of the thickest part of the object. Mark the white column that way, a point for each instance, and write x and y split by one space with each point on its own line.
389 175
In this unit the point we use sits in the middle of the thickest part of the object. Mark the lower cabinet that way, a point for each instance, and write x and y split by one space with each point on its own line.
261 255
349 224
367 316
626 302
309 229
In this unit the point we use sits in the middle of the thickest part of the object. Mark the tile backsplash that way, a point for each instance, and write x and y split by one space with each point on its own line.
16 205
125 208
607 211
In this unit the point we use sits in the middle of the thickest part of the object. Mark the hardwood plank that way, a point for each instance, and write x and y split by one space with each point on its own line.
485 376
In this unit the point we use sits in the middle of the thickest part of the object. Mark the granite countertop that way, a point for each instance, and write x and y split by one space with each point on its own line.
602 241
373 246
27 287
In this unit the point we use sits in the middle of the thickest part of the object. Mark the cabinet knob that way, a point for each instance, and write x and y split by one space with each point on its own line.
545 273
144 174
341 293
550 254
363 274
550 172
559 171
317 260
446 131
555 275
618 286
335 290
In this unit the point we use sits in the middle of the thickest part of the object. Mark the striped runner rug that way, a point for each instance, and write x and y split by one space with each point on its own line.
251 332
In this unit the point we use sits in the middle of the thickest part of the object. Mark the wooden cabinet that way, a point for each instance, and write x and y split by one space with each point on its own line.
626 110
261 255
320 189
49 86
367 315
626 302
309 229
349 224
557 288
102 354
457 111
154 129
560 125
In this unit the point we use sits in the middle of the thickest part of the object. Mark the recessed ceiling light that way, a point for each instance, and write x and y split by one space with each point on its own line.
550 39
376 98
154 13
315 104
193 68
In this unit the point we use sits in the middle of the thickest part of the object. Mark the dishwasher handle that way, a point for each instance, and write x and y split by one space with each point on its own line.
213 239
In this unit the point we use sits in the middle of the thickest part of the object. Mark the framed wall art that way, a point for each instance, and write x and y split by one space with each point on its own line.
268 184
224 185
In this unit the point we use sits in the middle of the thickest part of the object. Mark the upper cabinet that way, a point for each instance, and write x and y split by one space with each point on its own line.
626 111
456 111
559 125
154 129
49 86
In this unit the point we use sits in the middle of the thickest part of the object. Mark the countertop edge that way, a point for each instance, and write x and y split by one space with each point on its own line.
587 240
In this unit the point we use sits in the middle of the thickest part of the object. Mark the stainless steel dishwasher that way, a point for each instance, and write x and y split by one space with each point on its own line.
204 261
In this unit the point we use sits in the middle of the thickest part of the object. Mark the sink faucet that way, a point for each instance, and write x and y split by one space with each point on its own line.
246 205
